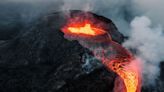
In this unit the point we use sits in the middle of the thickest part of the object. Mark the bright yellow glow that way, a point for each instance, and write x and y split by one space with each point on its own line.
128 74
83 30
86 29
130 79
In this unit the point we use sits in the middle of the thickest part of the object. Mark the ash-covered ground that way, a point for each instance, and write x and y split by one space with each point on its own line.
35 57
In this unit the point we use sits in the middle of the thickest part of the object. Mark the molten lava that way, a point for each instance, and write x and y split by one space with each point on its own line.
84 29
87 29
119 62
128 73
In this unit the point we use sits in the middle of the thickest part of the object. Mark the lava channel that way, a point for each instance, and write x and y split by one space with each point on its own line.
113 55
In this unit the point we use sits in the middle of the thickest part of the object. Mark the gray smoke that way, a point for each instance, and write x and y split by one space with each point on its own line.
145 33
149 43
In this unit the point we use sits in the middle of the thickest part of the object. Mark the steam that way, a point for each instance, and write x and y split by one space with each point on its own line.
148 41
90 63
151 8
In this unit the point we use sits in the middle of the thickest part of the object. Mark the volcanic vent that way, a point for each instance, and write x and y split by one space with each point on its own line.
40 59
95 35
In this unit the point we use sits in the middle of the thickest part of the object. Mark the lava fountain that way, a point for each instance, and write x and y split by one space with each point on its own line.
115 57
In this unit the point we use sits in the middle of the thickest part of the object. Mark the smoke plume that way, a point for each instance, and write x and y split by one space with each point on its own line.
148 41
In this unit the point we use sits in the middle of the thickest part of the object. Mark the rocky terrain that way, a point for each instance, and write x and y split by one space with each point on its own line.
37 58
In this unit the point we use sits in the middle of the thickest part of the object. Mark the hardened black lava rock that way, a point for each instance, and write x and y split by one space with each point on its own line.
40 59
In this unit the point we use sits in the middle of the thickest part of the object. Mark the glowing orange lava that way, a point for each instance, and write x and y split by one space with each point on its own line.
87 29
130 78
128 73
83 30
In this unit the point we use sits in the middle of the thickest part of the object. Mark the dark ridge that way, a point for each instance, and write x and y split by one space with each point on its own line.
40 59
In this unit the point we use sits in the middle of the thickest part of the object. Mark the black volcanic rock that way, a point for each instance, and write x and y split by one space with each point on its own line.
40 59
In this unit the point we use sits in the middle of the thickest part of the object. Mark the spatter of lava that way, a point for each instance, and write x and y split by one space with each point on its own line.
112 54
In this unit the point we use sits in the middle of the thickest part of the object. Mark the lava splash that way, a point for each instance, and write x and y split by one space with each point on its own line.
113 55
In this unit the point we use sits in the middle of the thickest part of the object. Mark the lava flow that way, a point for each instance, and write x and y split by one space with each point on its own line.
112 54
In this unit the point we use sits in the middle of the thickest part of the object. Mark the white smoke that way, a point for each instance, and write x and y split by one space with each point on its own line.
151 8
148 41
